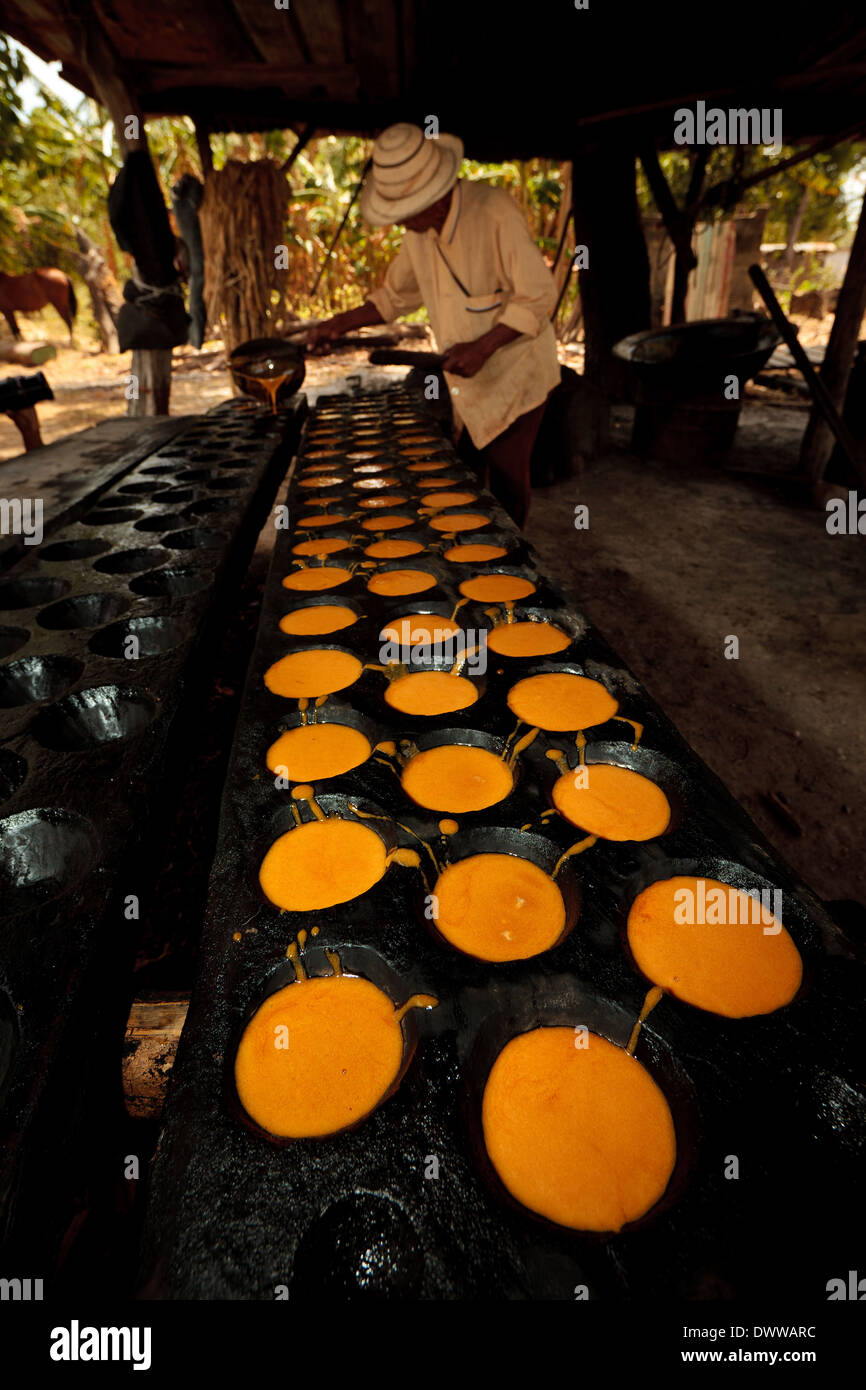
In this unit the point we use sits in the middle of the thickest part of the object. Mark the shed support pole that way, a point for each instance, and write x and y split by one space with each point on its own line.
150 368
818 440
614 287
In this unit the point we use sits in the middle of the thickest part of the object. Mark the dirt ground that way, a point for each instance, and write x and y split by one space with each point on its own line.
675 561
678 559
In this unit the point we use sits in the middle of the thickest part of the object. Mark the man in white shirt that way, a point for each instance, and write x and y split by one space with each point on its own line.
468 256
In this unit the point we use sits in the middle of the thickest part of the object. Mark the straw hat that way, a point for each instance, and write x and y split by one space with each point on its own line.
409 173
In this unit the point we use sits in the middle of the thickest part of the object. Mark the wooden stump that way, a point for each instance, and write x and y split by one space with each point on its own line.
151 369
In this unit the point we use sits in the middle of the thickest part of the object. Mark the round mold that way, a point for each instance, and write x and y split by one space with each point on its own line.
153 635
667 775
130 561
34 679
563 1002
112 516
91 718
82 610
471 738
162 521
136 489
83 549
174 495
31 591
44 852
355 808
195 538
521 844
158 470
172 582
795 918
355 960
361 1246
225 485
209 506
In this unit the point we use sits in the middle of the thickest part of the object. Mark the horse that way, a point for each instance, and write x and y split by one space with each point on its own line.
27 293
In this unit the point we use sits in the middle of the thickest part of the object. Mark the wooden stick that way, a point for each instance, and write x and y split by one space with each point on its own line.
303 140
358 186
820 394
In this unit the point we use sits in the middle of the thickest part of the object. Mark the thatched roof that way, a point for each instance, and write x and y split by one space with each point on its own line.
513 78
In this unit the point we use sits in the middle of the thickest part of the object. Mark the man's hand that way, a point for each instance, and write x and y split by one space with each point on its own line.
320 337
465 359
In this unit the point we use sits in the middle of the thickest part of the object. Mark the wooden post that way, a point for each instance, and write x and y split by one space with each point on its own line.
614 289
818 440
151 368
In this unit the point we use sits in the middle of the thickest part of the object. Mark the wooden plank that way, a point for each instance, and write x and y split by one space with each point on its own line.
152 1035
293 79
272 32
321 24
198 31
371 30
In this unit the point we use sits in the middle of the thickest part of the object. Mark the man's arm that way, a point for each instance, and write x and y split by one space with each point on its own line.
398 294
363 317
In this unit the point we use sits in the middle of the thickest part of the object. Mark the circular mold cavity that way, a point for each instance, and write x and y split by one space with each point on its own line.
660 781
193 475
31 592
339 741
561 699
353 1040
566 1007
162 521
225 485
437 681
83 549
137 637
158 470
112 516
136 489
209 506
13 771
44 853
320 669
504 895
174 494
740 953
195 538
498 586
323 863
534 633
82 610
361 1247
398 581
37 678
171 583
100 715
459 772
12 639
130 561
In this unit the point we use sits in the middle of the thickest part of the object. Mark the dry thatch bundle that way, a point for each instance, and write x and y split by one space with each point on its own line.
242 218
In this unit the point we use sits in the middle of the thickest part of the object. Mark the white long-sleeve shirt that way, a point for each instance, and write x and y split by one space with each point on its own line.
486 243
